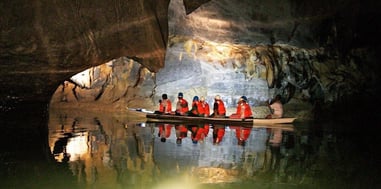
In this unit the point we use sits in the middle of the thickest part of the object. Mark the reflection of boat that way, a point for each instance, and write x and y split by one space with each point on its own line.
213 120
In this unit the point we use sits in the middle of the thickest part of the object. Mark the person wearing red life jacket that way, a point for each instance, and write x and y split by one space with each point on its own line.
242 134
181 132
243 109
196 109
206 129
204 112
164 132
218 133
181 105
165 105
219 109
198 133
161 107
205 107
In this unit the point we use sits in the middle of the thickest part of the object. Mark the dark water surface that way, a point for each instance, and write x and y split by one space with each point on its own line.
113 151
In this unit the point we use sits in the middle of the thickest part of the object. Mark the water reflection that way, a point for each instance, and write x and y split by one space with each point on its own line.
118 153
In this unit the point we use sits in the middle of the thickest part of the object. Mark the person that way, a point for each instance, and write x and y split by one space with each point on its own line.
181 105
219 109
242 134
205 107
196 109
165 105
243 109
201 109
197 133
164 132
276 136
276 108
218 133
181 132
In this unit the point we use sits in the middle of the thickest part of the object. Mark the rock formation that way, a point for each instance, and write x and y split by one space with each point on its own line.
309 52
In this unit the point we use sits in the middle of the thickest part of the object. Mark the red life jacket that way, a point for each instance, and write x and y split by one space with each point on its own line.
218 134
244 110
220 110
165 130
197 108
167 106
161 107
206 129
205 108
198 133
242 133
182 106
181 131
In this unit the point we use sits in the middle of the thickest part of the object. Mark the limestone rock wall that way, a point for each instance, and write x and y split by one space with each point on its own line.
117 85
44 43
309 52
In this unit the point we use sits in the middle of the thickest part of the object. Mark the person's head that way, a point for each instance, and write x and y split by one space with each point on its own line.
217 97
195 98
202 99
164 96
163 139
180 95
243 98
194 141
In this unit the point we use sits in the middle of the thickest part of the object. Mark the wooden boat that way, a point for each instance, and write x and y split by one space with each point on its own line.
213 120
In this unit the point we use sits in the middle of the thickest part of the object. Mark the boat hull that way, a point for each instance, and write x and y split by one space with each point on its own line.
214 120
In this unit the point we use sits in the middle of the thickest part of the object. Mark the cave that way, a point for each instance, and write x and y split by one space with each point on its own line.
322 57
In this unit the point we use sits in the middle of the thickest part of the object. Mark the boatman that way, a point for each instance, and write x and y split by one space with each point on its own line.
276 108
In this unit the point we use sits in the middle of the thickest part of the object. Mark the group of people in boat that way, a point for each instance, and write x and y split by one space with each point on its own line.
200 107
198 133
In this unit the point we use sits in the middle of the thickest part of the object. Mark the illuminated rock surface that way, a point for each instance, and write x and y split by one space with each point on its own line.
312 52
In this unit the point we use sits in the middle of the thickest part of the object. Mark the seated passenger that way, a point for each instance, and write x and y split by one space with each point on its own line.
165 105
196 109
181 105
243 109
219 109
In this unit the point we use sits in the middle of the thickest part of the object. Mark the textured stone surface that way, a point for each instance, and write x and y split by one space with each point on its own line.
307 51
44 43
